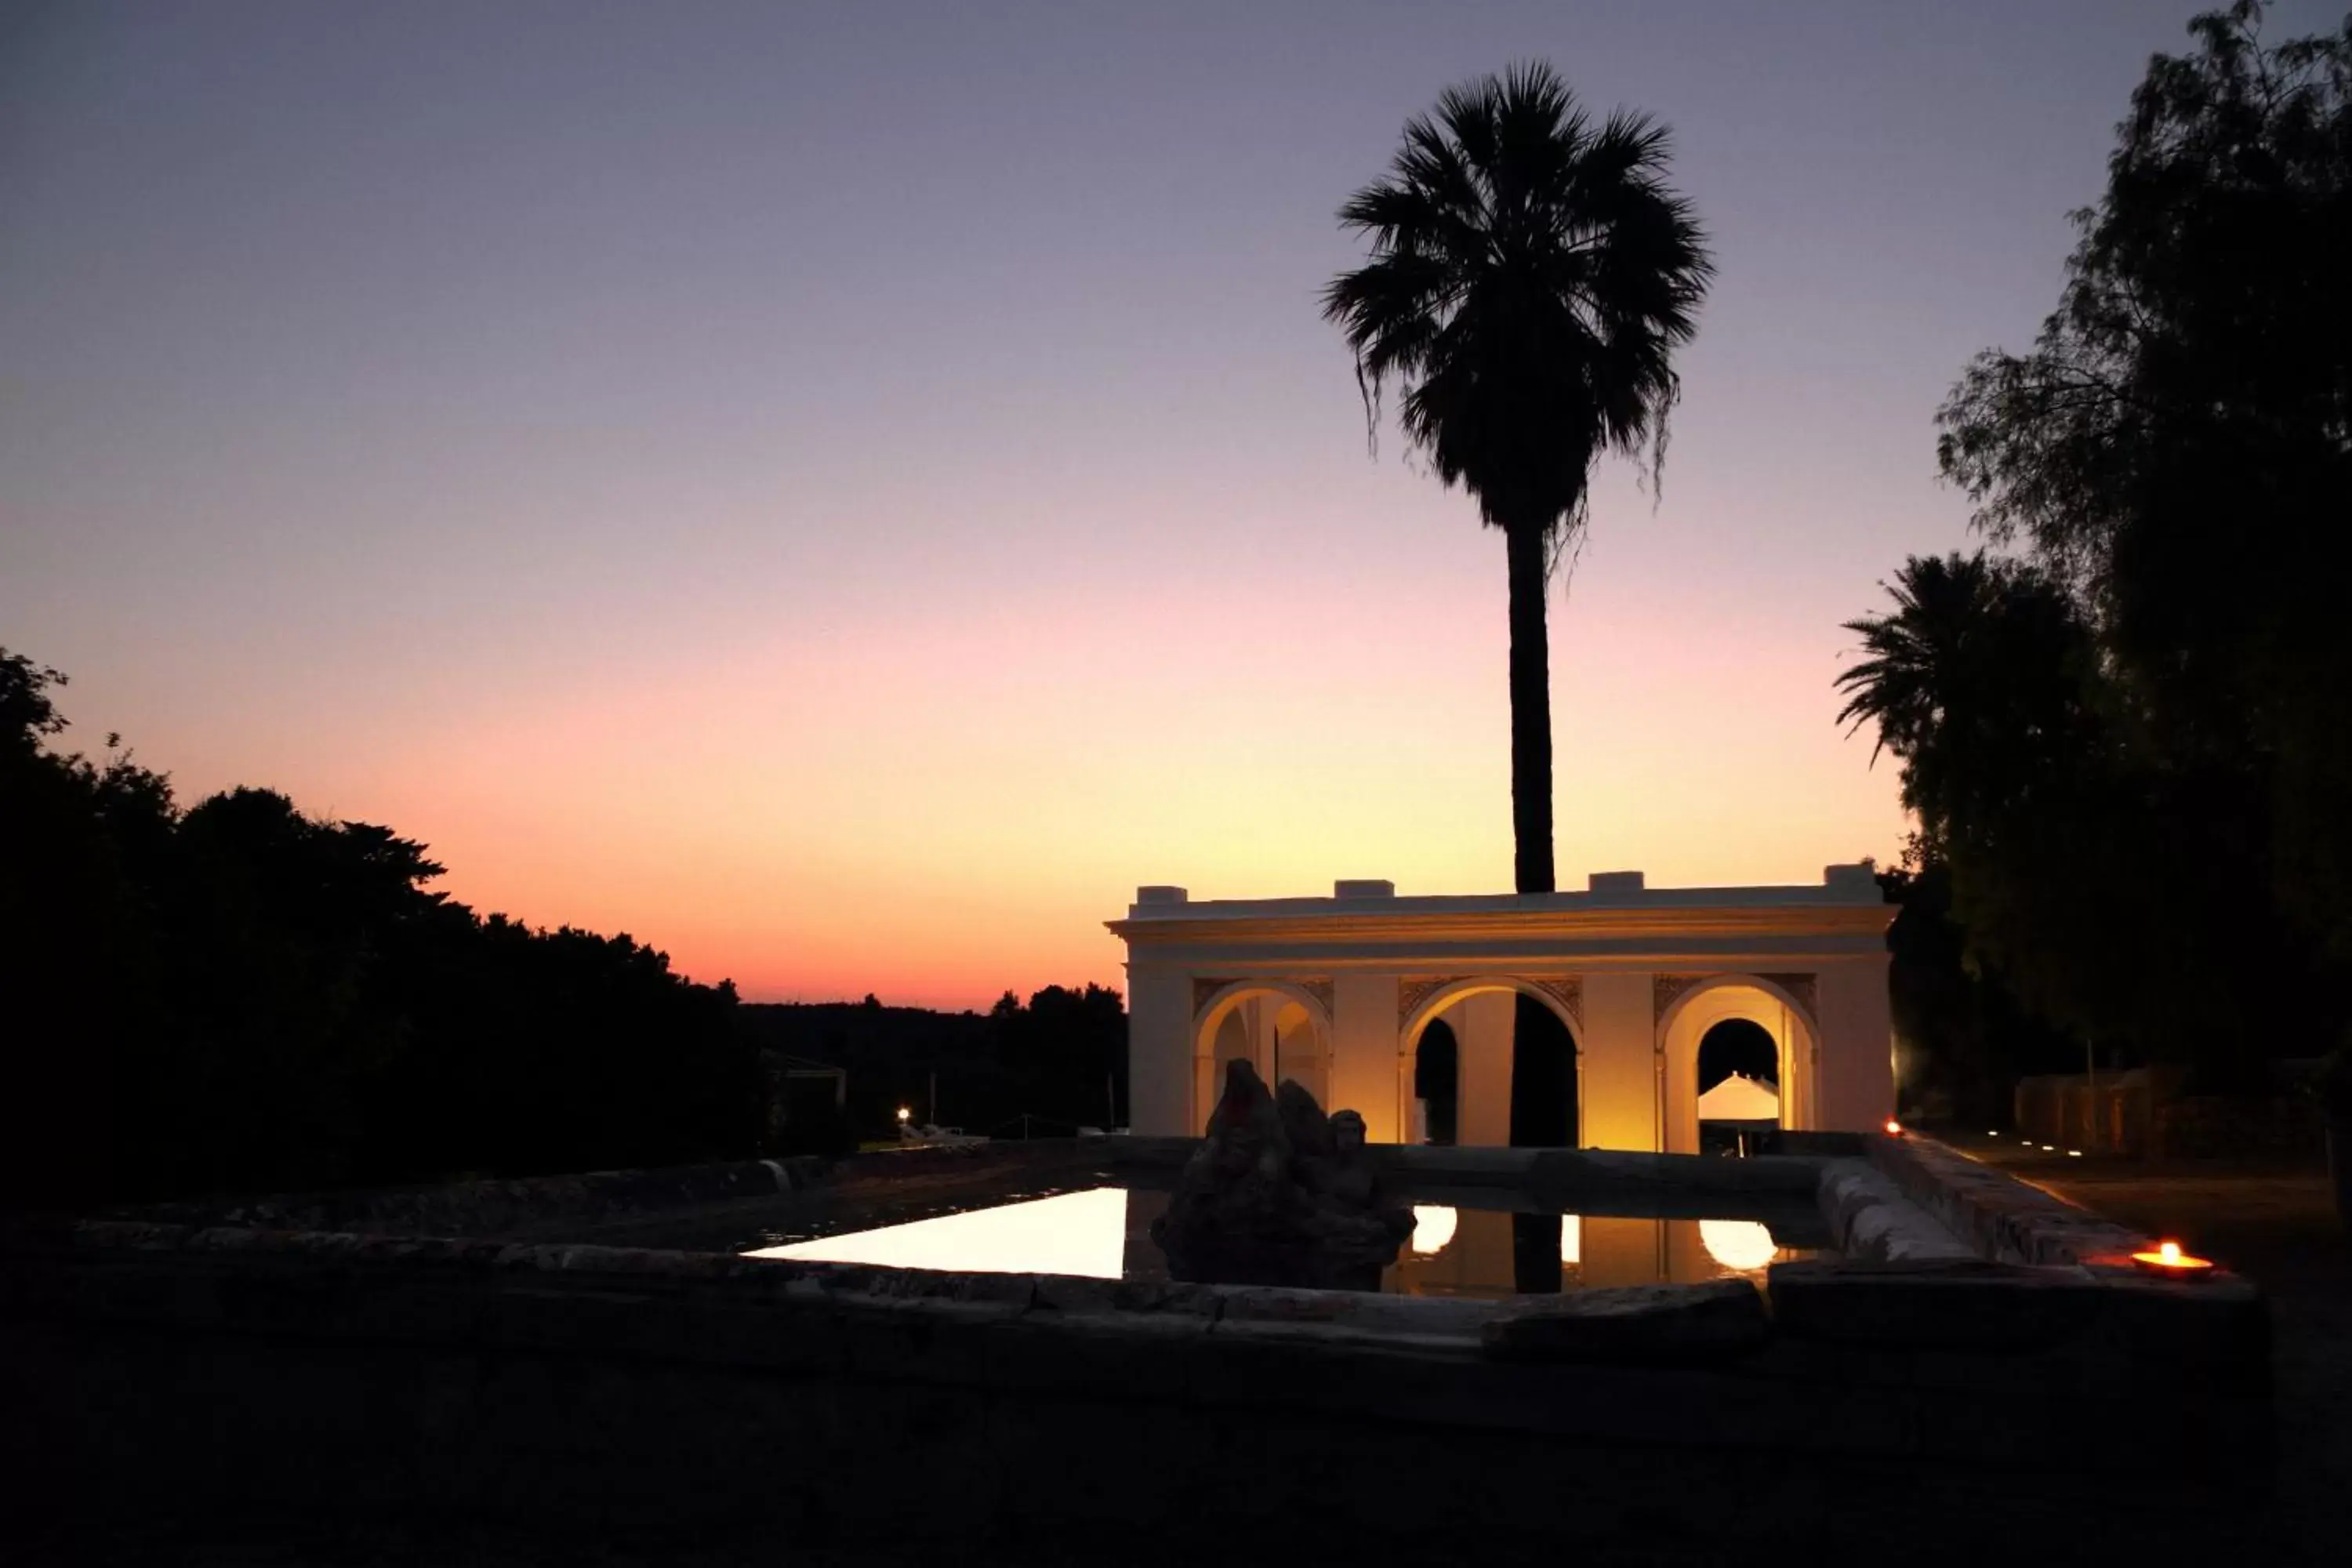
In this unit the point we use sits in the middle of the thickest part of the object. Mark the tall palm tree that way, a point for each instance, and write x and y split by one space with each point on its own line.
1530 277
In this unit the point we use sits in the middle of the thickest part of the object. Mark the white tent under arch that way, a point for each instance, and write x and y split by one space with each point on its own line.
1740 1098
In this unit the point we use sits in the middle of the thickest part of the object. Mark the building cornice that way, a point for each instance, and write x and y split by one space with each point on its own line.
1607 928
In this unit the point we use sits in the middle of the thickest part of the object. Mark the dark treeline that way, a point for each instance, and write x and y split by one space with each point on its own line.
2126 737
1060 1059
236 997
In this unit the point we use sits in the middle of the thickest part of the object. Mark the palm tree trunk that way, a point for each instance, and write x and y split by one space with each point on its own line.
1530 711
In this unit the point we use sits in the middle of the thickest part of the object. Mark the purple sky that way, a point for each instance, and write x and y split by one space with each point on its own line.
794 482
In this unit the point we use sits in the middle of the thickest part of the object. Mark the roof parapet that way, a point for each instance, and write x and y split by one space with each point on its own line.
1860 877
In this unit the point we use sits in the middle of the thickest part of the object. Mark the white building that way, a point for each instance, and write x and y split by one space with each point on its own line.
1338 994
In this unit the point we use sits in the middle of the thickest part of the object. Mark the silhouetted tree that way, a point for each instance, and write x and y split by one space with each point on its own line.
2127 753
2078 864
65 914
2177 444
241 998
1067 1049
1969 1037
1530 277
1060 1059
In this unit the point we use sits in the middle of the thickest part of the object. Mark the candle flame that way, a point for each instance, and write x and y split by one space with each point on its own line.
2173 1261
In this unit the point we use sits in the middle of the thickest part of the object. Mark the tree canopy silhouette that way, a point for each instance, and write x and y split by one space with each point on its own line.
2177 444
1531 274
2126 749
237 997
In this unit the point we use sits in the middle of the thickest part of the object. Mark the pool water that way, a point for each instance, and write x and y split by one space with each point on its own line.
1458 1248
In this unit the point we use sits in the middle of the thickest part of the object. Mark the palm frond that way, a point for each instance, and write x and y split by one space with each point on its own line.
1530 277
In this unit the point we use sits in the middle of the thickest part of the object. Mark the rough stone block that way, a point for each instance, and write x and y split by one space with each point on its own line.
1635 1323
2212 1335
1155 1359
1967 1304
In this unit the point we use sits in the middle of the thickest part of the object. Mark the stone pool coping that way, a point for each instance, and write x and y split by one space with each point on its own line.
486 1364
1938 1250
522 1205
2001 1217
1883 1344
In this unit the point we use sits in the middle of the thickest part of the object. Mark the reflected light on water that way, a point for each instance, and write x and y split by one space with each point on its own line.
1433 1227
1074 1233
1740 1245
1571 1238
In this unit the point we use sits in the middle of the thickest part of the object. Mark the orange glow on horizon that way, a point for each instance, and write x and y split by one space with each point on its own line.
938 805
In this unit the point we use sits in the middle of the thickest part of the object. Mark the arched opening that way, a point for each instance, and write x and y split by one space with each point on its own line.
1543 1082
1508 1056
1298 1053
1232 1042
1437 1085
1695 1016
1738 1086
1273 1028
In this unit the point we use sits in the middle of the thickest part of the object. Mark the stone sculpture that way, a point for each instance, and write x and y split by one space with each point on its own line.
1278 1194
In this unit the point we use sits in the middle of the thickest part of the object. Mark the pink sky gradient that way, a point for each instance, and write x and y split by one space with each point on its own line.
844 498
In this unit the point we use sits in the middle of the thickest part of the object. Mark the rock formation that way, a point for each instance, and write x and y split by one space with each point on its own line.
1278 1194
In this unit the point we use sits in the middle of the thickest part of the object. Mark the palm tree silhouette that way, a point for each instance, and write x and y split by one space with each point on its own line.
1980 679
1530 277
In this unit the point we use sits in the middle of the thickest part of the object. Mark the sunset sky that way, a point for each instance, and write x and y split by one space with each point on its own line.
843 493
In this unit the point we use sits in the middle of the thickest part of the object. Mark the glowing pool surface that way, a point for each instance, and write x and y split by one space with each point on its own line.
1082 1233
1104 1233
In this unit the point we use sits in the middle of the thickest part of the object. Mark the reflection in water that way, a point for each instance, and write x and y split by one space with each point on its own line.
1536 1248
1103 1233
1739 1244
1075 1233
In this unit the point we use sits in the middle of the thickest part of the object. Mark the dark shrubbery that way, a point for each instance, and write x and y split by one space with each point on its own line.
237 997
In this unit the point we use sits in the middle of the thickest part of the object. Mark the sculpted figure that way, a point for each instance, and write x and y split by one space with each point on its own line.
1278 1194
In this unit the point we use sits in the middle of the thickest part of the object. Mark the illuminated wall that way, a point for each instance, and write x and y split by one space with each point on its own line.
1344 988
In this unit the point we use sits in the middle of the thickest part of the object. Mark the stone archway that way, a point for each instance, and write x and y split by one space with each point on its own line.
1282 1029
1479 1009
1768 1003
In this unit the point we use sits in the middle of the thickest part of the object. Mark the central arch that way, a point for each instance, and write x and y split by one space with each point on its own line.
1478 1111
